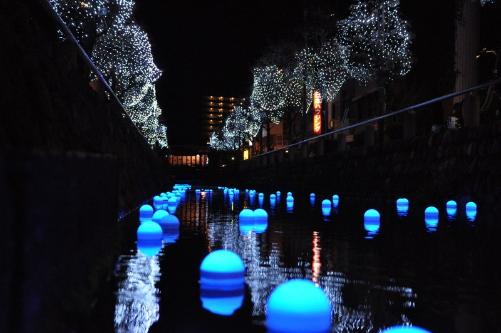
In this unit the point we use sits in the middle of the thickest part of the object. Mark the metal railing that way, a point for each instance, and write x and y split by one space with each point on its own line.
382 117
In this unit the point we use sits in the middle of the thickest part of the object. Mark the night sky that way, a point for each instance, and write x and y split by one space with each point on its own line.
209 48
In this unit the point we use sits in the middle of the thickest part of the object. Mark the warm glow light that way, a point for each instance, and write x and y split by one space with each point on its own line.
317 113
246 154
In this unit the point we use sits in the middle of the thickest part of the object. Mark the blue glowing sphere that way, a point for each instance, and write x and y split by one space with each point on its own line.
471 210
372 221
246 214
273 200
326 207
405 329
279 193
149 248
312 199
149 231
298 306
222 270
290 198
157 202
451 207
431 214
335 200
159 216
260 214
431 217
171 232
172 205
145 213
289 194
402 206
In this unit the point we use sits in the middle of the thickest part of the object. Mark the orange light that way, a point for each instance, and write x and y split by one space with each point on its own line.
317 113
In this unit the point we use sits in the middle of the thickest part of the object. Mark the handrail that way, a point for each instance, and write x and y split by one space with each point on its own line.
384 116
67 32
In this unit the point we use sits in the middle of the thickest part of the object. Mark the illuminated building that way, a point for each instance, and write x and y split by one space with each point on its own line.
216 109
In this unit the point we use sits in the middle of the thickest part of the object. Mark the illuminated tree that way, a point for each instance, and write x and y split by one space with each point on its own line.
122 52
377 39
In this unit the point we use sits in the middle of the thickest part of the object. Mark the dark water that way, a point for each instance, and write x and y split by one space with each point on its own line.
444 279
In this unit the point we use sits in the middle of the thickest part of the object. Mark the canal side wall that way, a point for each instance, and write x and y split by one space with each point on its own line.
70 163
455 164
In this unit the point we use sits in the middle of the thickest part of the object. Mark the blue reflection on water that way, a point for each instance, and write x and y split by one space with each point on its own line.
405 329
137 304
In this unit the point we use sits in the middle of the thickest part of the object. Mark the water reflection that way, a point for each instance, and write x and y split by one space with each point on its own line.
137 305
264 256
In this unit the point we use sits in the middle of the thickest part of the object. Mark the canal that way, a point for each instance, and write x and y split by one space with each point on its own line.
442 277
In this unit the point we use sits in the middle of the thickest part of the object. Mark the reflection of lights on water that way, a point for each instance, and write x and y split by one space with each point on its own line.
137 305
316 265
265 270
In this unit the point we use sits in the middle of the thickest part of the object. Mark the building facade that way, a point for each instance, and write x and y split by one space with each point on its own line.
215 110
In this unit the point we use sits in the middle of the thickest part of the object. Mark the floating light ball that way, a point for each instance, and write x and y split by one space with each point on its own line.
326 207
172 205
312 199
298 306
149 231
372 222
273 200
278 195
471 210
451 207
335 200
289 194
222 282
290 203
431 217
170 229
260 221
402 206
246 220
157 202
405 329
261 199
145 213
160 216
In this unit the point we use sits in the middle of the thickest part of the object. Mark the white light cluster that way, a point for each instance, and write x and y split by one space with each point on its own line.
122 51
268 91
378 40
485 2
373 43
241 125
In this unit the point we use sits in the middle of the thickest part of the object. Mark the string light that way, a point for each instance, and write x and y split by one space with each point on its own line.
122 52
378 40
